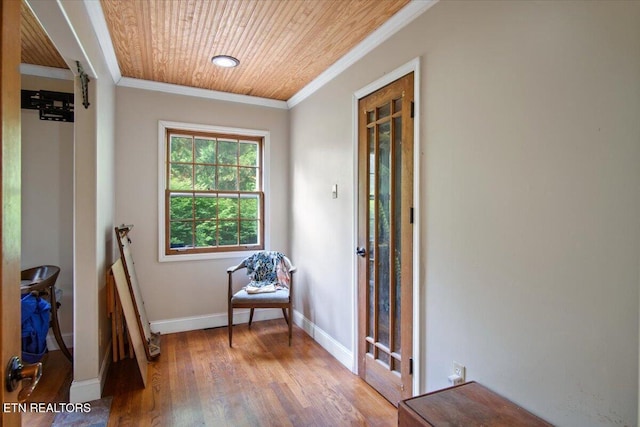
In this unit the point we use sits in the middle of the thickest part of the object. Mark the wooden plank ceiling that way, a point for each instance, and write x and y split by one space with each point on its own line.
37 48
282 45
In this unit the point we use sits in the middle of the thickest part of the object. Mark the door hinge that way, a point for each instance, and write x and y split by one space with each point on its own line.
410 215
411 366
412 109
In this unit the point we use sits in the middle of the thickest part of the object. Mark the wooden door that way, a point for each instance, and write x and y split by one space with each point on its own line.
385 239
10 206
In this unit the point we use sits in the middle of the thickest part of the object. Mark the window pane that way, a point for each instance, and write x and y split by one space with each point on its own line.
396 193
227 178
181 207
372 224
181 234
370 300
205 150
248 179
206 207
228 207
371 116
384 111
383 255
384 358
371 139
227 152
205 177
248 154
181 177
371 213
228 232
181 149
249 207
248 232
397 105
214 192
397 365
206 233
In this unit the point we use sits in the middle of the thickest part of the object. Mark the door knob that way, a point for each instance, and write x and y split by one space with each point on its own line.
361 251
18 371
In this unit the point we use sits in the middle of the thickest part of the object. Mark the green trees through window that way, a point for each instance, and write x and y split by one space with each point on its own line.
214 197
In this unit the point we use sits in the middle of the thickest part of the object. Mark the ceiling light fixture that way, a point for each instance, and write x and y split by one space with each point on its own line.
225 61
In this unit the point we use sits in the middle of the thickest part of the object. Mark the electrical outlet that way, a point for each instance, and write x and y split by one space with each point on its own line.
459 370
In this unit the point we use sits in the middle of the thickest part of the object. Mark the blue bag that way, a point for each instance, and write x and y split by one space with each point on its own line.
35 326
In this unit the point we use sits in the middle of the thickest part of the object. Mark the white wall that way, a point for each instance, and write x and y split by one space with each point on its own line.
68 26
47 195
530 144
173 291
105 177
322 229
94 213
93 248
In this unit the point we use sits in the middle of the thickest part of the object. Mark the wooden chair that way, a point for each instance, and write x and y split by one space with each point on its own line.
281 298
42 279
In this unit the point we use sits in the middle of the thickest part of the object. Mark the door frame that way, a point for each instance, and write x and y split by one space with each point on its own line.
10 181
411 66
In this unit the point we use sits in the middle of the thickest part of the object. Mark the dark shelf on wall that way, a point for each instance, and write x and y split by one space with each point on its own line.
54 106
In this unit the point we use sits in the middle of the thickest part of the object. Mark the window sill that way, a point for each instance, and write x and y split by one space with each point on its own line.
206 256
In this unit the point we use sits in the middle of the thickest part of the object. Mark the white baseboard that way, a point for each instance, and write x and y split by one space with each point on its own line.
85 390
104 366
91 389
192 323
337 350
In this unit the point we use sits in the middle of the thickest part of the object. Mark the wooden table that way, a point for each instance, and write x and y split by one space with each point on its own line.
469 404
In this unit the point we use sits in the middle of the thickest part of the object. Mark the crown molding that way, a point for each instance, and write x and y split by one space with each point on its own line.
398 21
49 72
201 93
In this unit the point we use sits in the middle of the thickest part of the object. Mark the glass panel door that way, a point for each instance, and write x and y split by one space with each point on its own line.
384 191
385 194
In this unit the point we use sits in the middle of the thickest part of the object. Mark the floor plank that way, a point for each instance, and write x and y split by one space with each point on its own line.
52 388
261 381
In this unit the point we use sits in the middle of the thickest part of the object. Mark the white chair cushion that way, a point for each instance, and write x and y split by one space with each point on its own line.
279 296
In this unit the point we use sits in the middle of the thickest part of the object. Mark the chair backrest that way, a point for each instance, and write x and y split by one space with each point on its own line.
43 276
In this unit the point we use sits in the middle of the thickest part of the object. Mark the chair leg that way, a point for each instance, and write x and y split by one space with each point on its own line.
284 311
290 325
230 324
250 317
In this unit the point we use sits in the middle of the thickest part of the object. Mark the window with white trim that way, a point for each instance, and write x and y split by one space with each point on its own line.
213 191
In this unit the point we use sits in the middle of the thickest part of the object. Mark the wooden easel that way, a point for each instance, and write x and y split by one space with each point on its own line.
125 307
122 296
150 340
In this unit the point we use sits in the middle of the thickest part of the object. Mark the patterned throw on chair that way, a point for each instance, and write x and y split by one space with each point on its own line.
268 272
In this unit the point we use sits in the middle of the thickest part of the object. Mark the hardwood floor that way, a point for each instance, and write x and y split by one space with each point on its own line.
199 381
52 388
